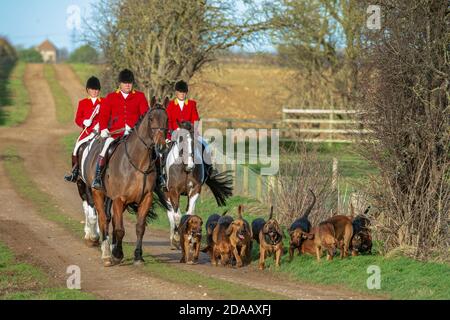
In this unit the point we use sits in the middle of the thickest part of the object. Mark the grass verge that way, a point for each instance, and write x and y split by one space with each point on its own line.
64 108
49 210
401 278
22 281
14 101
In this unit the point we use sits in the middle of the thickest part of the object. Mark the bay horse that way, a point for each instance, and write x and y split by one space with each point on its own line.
186 175
129 180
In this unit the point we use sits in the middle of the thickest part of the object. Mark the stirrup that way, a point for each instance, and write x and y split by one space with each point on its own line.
97 184
72 177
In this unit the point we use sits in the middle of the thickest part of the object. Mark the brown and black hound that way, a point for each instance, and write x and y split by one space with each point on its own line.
362 239
269 238
299 229
219 245
240 235
190 238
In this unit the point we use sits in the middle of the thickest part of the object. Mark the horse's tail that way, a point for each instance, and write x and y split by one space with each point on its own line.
308 210
221 186
162 200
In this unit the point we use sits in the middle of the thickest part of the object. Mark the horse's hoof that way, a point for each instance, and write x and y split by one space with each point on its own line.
107 262
115 260
139 262
90 243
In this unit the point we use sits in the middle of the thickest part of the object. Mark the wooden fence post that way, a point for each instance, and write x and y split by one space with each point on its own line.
245 182
259 188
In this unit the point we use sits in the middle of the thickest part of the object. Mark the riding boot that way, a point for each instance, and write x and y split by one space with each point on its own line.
98 183
72 177
160 172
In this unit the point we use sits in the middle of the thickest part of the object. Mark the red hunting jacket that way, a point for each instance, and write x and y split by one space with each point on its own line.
118 111
84 112
174 113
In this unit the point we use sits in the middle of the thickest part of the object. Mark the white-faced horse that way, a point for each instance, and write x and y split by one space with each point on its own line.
185 176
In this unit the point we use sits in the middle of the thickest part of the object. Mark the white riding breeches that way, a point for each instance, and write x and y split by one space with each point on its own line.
207 153
80 142
106 146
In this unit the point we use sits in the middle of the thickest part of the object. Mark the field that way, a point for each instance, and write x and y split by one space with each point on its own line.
33 166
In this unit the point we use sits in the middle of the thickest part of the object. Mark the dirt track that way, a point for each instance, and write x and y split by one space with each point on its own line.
55 248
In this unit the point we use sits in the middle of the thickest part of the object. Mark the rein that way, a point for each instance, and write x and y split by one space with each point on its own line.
149 147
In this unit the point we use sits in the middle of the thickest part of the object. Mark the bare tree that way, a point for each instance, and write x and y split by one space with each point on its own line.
165 41
321 40
405 103
301 170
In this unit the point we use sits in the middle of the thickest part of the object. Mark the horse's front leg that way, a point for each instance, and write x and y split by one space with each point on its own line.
174 216
192 200
99 199
118 230
140 226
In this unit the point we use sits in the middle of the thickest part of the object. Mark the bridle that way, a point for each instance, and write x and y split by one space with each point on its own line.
150 146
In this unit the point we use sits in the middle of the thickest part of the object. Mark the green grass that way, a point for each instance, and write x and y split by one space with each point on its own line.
215 288
14 100
401 278
49 210
63 104
84 71
27 189
22 281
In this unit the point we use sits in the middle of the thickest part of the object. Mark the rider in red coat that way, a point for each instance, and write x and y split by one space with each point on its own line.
182 109
87 119
122 109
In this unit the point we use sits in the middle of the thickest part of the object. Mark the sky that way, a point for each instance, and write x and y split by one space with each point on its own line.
30 22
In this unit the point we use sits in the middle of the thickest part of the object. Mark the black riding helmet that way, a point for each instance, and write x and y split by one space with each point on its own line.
93 83
181 86
126 76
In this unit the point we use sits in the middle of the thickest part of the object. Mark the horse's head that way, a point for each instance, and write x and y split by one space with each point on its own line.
158 121
185 141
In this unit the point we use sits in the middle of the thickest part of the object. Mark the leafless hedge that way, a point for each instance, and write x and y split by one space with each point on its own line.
405 102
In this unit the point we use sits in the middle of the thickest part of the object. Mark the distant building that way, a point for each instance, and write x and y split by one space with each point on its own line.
48 52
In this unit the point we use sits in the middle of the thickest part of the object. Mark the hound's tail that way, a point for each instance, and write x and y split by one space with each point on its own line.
271 212
308 210
240 211
221 186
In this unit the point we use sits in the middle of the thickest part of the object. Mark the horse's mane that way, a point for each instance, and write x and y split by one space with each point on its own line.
141 118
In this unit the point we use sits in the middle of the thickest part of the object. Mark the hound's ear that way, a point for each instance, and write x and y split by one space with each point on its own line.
152 102
277 226
309 236
166 102
265 228
229 230
271 212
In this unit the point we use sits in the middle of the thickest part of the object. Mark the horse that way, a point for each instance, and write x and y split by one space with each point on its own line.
129 181
186 177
